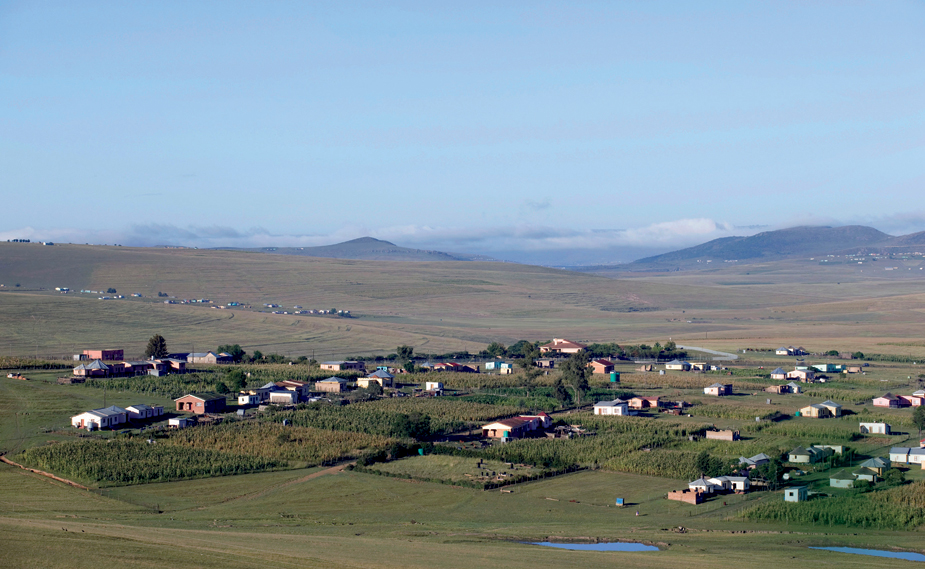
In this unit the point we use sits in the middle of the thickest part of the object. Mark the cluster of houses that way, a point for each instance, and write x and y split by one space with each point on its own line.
632 406
117 366
899 401
111 417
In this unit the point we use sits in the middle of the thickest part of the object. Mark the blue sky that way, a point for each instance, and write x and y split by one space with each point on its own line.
527 130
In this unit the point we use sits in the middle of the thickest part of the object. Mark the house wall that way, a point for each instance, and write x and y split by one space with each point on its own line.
686 496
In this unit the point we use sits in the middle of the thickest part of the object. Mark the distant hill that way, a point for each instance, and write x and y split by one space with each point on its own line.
771 245
368 249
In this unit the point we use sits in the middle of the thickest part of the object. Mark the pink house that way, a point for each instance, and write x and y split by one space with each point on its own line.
891 401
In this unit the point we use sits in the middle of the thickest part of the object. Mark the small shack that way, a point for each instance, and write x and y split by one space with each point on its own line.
796 494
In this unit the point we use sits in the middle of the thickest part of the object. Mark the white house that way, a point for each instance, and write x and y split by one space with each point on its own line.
731 483
180 422
704 485
875 428
615 407
106 418
248 399
284 397
141 412
433 386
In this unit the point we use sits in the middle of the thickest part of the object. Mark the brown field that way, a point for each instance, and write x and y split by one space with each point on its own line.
436 307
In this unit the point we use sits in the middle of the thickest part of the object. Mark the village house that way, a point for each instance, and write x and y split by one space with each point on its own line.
783 389
562 346
180 422
877 464
755 461
804 375
704 486
343 366
904 455
504 368
201 403
453 366
875 429
96 368
677 365
545 363
106 418
833 407
728 435
718 389
513 428
615 407
891 401
841 479
209 358
105 355
283 397
381 378
796 494
828 368
809 455
143 412
913 400
331 385
601 366
815 411
302 389
779 374
640 403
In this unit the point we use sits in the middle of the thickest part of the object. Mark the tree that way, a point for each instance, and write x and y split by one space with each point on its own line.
496 350
236 379
409 367
257 357
575 372
220 387
857 356
157 347
374 388
918 418
832 353
237 354
771 471
894 477
415 426
404 352
560 392
528 364
111 290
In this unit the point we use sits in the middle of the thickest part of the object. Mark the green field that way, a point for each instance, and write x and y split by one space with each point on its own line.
177 501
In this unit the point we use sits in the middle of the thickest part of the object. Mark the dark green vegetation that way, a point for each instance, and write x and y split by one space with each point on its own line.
137 462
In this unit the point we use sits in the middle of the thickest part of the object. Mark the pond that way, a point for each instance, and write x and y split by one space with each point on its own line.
618 546
908 556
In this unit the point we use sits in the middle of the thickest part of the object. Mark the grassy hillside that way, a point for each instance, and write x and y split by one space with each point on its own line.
369 249
439 307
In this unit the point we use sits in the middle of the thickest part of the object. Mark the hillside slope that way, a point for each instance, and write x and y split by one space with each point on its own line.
369 249
771 245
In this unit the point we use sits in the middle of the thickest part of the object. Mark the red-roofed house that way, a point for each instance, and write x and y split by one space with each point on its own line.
601 366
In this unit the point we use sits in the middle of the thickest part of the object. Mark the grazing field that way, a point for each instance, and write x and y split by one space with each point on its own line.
275 488
433 307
